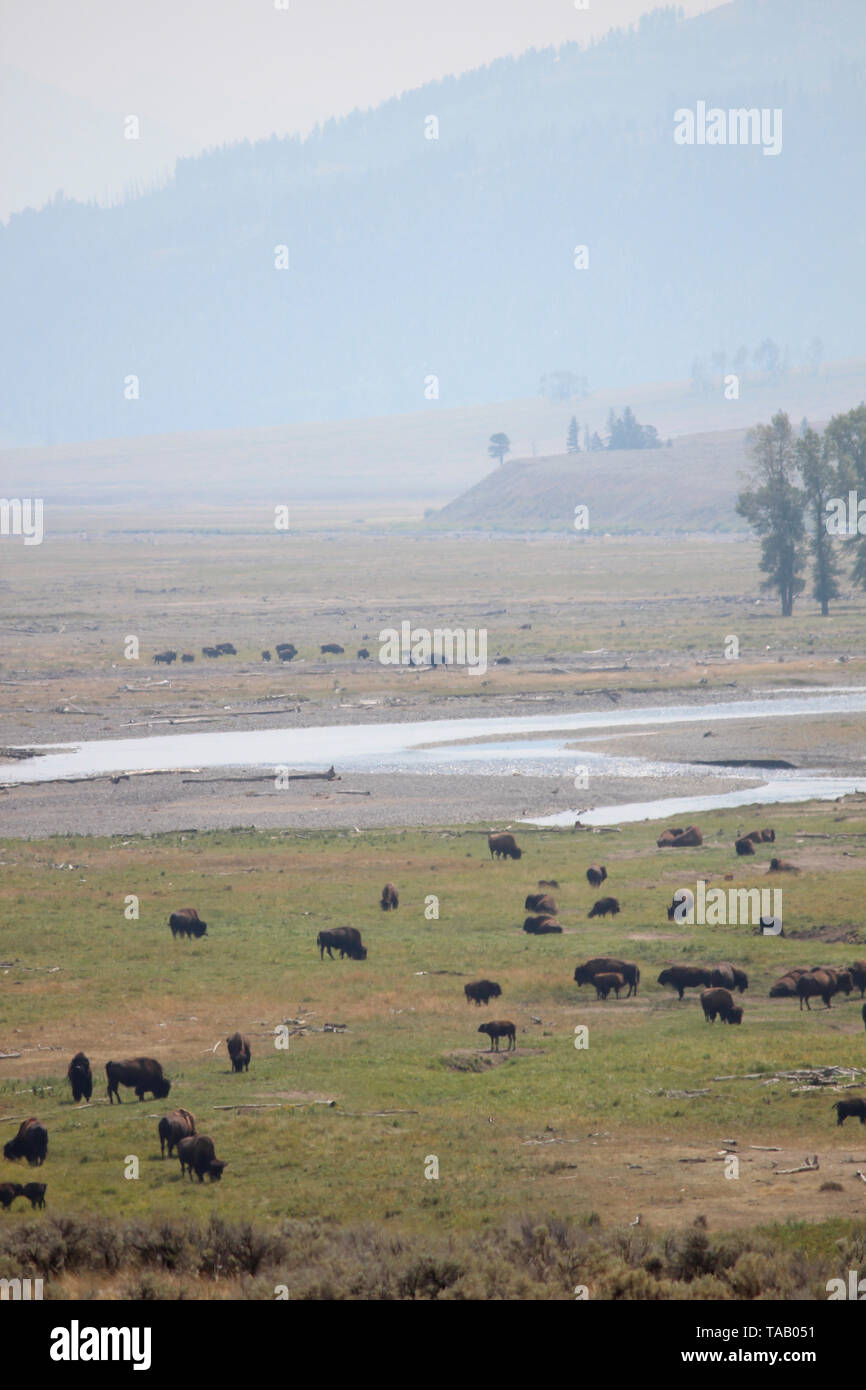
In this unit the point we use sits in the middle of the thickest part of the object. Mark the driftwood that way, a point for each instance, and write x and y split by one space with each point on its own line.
809 1165
766 1148
4 1056
339 793
364 1114
329 776
861 1176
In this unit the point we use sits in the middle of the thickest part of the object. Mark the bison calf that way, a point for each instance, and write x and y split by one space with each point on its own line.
500 1028
606 981
721 1002
35 1193
10 1190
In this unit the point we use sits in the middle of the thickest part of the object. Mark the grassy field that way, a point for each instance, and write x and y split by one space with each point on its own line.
551 1132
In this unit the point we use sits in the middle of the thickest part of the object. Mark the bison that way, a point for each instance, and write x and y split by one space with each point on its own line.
346 940
542 903
143 1074
607 980
817 984
333 647
31 1142
286 653
786 986
759 837
165 657
197 1155
744 845
845 1108
239 1052
187 922
680 839
481 991
857 972
682 905
596 875
209 651
721 1002
603 907
8 1192
547 883
266 656
499 1028
390 899
226 649
780 866
741 979
187 657
542 926
176 1125
586 973
35 1193
683 977
502 845
363 654
80 1077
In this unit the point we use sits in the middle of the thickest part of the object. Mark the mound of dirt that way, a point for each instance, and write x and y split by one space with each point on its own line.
468 1059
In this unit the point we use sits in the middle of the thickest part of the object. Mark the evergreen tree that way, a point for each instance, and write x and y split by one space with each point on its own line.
845 440
820 483
572 443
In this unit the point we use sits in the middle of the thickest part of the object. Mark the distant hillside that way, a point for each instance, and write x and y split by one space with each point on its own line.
409 258
691 486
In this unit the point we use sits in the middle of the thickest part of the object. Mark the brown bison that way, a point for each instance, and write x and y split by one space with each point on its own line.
176 1125
842 980
781 866
197 1155
499 1028
759 837
857 972
596 875
481 991
816 985
607 980
389 899
187 923
680 839
586 973
722 975
143 1074
542 903
80 1077
547 883
31 1142
239 1052
502 845
744 846
8 1192
542 926
682 905
603 907
846 1108
721 1002
683 977
35 1193
741 979
333 648
346 940
786 986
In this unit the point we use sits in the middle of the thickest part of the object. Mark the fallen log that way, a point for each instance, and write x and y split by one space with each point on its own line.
809 1165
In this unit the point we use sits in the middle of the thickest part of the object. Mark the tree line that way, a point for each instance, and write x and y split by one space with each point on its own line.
801 497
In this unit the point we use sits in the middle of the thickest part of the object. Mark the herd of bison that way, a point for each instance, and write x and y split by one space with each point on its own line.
606 974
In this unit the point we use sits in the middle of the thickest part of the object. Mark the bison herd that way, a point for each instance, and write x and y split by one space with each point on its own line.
286 651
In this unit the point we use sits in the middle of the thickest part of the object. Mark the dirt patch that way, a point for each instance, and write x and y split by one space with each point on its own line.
468 1059
850 936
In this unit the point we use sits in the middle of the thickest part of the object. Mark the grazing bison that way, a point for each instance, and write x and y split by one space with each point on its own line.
680 839
540 902
721 1002
607 980
683 977
187 923
266 656
187 657
333 647
741 979
857 972
499 1028
346 940
176 1125
481 991
503 845
722 975
31 1142
10 1190
209 651
816 985
197 1154
744 846
80 1077
143 1074
781 866
682 905
603 907
596 875
389 899
842 981
586 973
239 1052
542 926
786 986
165 657
226 649
363 654
846 1108
547 883
35 1193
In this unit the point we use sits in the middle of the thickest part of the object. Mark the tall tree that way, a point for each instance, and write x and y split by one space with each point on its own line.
820 483
499 446
773 506
572 442
845 440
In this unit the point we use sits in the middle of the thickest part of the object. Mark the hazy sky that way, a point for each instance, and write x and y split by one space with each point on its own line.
201 72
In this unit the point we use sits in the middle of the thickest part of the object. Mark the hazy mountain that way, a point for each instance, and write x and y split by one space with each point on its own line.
410 256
